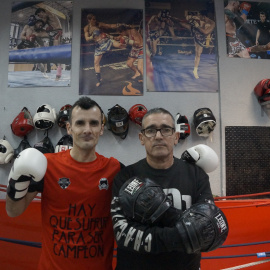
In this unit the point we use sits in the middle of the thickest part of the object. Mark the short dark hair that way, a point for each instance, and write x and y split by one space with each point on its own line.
155 111
85 103
39 10
90 16
43 23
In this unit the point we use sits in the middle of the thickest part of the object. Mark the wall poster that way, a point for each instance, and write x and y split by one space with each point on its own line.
111 59
247 28
40 44
181 46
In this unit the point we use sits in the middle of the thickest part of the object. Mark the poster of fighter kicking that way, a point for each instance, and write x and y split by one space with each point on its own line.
247 28
111 57
40 44
181 46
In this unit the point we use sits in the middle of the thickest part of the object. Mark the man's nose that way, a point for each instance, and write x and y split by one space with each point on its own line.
158 134
87 128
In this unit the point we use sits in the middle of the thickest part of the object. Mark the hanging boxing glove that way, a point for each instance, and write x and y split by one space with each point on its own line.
203 156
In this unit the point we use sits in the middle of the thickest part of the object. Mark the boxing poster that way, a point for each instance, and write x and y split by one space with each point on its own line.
247 26
112 52
40 44
181 46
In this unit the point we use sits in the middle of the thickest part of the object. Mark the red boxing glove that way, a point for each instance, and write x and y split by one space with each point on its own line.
103 35
262 90
123 40
31 38
245 8
58 35
49 28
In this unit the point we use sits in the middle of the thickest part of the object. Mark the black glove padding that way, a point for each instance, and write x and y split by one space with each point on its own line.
203 228
143 200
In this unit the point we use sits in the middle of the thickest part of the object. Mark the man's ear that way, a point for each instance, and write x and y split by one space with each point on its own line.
141 137
177 136
101 130
68 127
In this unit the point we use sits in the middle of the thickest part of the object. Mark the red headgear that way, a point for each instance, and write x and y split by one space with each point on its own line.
63 115
136 113
262 90
23 123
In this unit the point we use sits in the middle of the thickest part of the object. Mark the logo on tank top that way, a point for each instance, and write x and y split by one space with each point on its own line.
103 184
64 182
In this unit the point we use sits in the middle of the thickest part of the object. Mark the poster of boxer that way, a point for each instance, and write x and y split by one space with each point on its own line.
247 29
111 57
40 44
181 46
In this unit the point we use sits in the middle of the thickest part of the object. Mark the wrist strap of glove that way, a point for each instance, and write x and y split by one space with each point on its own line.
17 189
188 157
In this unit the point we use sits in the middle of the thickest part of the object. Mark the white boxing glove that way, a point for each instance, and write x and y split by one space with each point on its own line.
30 165
6 152
203 156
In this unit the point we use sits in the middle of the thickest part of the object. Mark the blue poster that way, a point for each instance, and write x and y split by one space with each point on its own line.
181 46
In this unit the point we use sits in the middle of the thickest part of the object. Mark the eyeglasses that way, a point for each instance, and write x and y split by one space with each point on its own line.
151 132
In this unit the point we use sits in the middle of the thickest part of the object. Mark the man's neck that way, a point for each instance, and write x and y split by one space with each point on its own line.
160 163
83 156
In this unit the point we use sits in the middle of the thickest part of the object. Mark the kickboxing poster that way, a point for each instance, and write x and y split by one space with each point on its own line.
111 57
181 46
247 26
40 44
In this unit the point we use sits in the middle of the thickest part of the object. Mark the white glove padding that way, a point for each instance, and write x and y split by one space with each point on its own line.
203 156
30 164
6 152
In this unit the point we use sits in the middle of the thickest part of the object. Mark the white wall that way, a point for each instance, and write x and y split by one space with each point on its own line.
233 105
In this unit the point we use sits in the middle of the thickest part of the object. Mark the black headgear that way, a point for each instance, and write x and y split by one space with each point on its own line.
24 144
63 115
204 121
118 121
45 146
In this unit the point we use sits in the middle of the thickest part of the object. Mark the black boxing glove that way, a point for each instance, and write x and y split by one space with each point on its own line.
143 200
202 228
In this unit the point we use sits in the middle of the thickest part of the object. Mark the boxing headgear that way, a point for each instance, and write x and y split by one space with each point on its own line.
32 20
136 113
63 115
6 152
96 33
262 90
23 123
204 121
118 121
45 146
182 126
24 144
65 143
45 117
